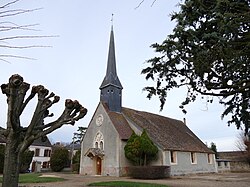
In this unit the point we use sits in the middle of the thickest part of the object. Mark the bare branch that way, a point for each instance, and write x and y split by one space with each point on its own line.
24 37
23 47
16 12
143 1
69 116
153 3
15 56
6 5
139 4
17 27
5 61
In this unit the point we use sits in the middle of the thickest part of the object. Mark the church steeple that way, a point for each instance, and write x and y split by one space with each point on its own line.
111 87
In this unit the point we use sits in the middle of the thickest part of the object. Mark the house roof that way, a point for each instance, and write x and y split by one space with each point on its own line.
77 146
168 133
38 142
233 155
42 142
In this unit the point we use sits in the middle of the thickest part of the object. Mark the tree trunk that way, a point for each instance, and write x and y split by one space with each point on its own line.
11 162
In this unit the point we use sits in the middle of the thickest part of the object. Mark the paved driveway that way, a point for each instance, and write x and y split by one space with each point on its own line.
208 180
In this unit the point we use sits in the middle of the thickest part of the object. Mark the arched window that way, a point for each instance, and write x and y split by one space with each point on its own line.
101 145
99 141
96 144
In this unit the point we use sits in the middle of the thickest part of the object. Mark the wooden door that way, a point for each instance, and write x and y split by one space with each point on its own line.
98 166
33 167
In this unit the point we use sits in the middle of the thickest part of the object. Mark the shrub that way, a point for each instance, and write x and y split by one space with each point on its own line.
140 150
76 161
59 159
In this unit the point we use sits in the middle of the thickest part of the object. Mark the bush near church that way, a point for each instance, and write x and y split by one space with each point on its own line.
140 150
59 159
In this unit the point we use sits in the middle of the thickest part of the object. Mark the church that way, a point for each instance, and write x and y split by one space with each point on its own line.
102 148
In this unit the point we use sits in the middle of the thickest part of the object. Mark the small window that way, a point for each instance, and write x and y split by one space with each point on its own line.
96 144
219 163
45 165
173 157
47 153
101 145
209 158
37 152
193 158
226 164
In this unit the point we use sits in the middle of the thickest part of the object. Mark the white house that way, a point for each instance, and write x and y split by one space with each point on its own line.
42 152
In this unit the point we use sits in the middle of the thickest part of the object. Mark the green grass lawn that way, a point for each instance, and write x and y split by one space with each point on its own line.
35 178
126 184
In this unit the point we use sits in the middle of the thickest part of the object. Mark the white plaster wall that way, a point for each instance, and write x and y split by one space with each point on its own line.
41 157
110 162
184 165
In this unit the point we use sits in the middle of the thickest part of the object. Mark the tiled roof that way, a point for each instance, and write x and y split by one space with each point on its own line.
169 134
120 123
233 155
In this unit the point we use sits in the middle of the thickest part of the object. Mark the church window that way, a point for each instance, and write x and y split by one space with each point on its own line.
209 158
193 158
101 145
99 141
173 157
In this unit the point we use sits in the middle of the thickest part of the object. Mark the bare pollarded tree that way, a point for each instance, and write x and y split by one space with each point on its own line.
19 137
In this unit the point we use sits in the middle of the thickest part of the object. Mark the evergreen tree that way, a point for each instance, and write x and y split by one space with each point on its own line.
140 150
207 53
214 149
59 159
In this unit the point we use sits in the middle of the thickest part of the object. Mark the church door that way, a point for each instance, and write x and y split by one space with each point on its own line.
98 166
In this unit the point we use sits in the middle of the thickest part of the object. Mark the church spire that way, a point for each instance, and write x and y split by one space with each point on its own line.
111 86
111 74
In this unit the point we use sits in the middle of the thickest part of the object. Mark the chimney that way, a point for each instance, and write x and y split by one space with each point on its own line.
184 121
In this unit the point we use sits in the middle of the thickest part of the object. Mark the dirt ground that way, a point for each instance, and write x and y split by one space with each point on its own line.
202 180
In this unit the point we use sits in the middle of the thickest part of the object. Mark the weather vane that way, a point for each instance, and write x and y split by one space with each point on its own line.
112 18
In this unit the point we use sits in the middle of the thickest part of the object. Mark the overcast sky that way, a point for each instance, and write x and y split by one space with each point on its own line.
75 65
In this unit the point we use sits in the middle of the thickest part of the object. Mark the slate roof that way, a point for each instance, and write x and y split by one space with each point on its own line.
168 133
111 77
39 142
42 142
